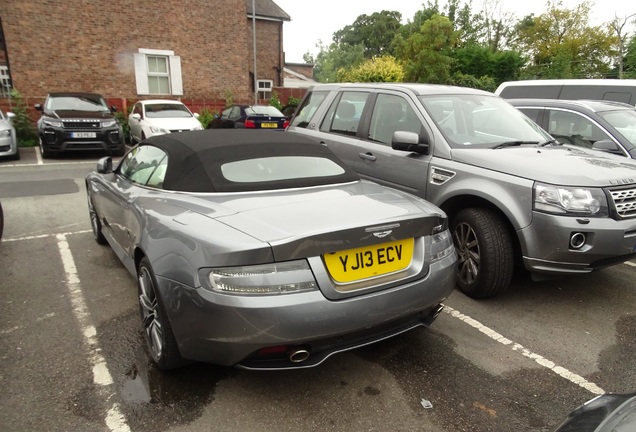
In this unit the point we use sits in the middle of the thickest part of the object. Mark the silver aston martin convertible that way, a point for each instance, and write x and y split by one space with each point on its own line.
265 251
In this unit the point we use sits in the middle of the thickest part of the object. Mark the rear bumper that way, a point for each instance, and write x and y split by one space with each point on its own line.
230 330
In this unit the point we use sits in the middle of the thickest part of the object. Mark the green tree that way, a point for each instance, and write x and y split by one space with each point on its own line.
425 54
377 69
25 131
629 63
560 44
330 59
374 32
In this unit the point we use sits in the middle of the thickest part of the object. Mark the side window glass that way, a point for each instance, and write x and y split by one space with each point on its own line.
572 128
532 113
344 114
142 166
226 113
306 110
236 113
391 114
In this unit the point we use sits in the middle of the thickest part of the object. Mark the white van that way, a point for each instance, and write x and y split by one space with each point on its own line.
623 90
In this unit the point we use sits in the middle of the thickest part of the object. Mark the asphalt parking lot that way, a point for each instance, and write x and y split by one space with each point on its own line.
71 356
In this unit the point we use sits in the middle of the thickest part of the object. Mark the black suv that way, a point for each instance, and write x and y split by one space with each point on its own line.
78 121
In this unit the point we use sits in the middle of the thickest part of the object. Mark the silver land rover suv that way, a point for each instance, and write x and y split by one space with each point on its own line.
513 194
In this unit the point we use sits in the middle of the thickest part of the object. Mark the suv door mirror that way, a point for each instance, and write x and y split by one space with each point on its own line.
607 146
409 141
38 107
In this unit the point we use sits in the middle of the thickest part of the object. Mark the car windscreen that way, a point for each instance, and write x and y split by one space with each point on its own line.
481 121
167 110
624 121
76 103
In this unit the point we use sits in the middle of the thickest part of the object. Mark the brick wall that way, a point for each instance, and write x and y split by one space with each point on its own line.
89 46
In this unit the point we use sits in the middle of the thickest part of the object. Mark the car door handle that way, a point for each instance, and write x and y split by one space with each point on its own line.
367 156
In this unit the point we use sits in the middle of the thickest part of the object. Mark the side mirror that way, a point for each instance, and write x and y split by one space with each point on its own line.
410 141
607 146
105 165
38 107
113 108
196 115
136 116
216 116
10 117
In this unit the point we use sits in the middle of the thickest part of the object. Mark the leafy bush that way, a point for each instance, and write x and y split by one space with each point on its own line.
206 116
122 119
24 127
275 101
377 69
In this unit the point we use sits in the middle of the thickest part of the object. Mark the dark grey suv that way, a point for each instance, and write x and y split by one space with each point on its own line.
512 193
78 121
600 125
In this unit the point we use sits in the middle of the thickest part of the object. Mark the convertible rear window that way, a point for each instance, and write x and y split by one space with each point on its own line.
279 168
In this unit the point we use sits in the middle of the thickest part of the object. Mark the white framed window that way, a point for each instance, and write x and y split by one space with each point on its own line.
5 89
158 72
265 88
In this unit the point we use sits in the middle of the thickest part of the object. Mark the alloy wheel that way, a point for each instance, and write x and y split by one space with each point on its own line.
468 252
149 307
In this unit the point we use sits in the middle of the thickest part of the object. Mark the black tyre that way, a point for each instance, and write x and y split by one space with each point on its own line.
45 152
1 220
121 150
161 345
484 247
96 225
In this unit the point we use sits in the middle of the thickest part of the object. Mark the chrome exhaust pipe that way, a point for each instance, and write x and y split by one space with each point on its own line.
436 310
297 355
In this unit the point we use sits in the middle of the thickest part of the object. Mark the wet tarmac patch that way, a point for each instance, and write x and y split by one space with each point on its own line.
153 399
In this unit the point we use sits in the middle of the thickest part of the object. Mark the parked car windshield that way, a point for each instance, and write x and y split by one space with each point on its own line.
167 110
624 121
76 103
481 121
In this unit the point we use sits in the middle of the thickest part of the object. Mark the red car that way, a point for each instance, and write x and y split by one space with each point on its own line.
250 117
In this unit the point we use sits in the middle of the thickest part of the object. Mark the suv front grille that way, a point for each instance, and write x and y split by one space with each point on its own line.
624 202
82 124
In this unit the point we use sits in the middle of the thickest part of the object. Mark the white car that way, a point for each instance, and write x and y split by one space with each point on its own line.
8 139
160 116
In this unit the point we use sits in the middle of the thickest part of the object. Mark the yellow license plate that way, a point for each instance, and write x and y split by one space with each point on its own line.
269 125
367 262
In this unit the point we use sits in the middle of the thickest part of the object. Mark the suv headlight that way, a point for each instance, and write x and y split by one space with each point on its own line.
5 133
108 123
52 123
570 201
264 279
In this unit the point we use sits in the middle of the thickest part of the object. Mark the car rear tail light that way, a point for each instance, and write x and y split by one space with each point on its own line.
263 279
250 124
285 124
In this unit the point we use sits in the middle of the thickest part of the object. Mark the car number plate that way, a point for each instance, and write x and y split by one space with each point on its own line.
83 135
269 125
367 262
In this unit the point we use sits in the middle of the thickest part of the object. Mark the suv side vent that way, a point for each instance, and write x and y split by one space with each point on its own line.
440 176
624 202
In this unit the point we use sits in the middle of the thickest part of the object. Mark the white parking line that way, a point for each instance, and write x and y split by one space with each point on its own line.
41 236
561 371
631 264
38 155
101 376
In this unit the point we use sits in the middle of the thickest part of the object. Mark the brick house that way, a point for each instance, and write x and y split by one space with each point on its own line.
197 51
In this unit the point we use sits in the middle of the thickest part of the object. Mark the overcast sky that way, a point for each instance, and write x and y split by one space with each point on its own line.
314 21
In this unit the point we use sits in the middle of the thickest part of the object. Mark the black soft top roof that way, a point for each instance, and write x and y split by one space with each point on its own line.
195 158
